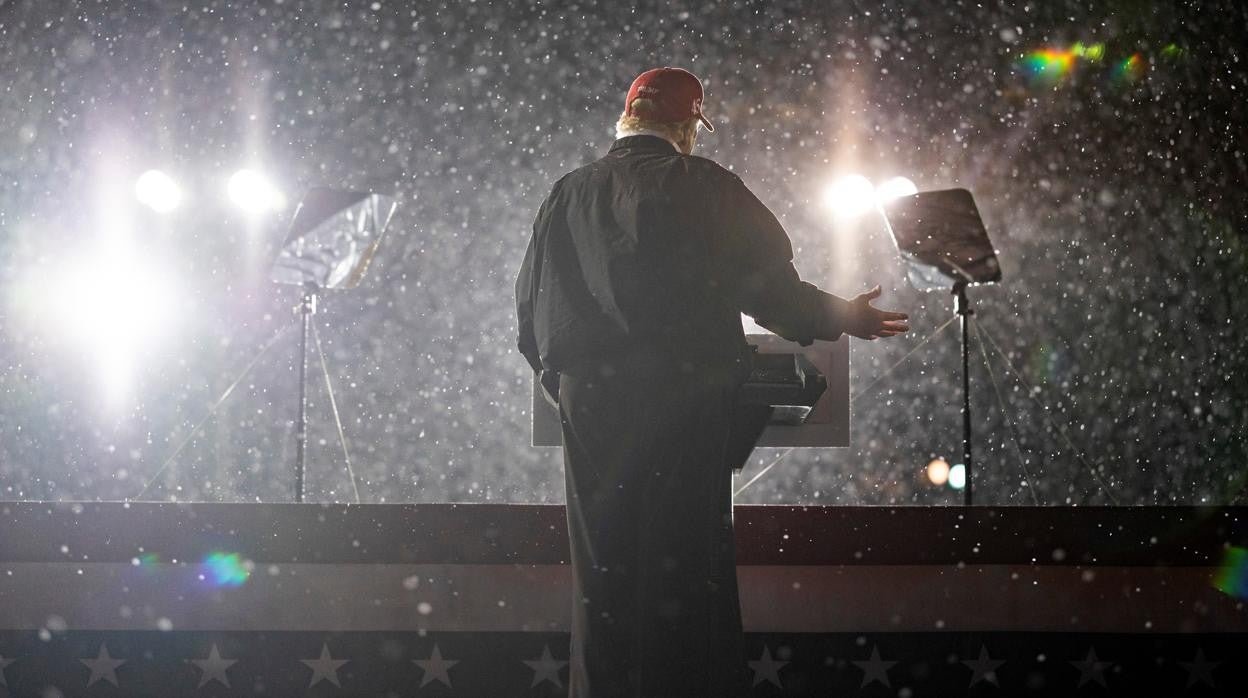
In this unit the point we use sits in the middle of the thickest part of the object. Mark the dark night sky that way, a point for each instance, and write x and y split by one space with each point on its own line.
1114 196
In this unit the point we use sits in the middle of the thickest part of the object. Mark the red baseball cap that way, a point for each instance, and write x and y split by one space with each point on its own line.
677 93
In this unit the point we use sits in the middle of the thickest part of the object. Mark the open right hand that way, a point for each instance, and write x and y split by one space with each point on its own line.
867 322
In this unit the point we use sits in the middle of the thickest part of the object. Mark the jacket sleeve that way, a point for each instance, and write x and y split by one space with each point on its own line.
761 277
526 295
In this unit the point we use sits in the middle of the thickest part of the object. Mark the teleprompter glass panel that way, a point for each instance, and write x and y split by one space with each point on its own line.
943 239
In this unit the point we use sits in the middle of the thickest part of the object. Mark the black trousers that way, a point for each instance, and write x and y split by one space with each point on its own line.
656 609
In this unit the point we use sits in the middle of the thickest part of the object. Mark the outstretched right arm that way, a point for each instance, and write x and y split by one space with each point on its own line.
765 285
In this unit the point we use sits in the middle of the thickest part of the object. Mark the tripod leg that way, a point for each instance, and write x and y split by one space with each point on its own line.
301 425
996 389
1045 412
966 410
212 411
333 404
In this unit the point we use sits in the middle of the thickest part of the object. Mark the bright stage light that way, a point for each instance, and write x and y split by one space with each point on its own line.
957 476
938 471
112 303
895 188
157 191
252 192
851 195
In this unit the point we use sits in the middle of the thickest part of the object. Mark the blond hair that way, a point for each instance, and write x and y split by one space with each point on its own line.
682 133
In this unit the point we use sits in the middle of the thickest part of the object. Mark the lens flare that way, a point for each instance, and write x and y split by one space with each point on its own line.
1172 52
1051 66
1232 576
146 563
1048 66
1130 70
226 569
1091 52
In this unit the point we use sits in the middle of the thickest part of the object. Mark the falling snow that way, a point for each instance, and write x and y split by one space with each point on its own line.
1112 185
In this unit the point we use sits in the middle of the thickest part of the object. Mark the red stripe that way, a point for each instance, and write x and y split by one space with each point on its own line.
500 598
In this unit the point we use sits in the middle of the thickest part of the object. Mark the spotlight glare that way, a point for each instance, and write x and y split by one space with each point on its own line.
938 471
157 191
114 303
895 188
849 196
253 193
957 476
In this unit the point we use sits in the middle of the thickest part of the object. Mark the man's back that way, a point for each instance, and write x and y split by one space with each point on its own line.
649 248
627 304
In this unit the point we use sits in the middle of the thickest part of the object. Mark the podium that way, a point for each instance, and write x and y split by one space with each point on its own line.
826 426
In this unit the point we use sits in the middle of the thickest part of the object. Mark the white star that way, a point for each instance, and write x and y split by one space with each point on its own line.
324 667
546 669
213 667
1091 669
436 667
984 668
766 669
3 663
1199 669
875 669
103 667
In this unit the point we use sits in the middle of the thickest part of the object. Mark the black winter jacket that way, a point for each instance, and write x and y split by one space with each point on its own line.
647 248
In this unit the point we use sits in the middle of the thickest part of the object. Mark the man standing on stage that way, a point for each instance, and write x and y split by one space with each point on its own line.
629 303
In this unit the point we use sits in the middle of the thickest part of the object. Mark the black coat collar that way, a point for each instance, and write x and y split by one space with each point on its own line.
646 143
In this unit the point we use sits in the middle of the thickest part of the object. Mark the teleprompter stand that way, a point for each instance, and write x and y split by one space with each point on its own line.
943 240
306 309
962 308
332 238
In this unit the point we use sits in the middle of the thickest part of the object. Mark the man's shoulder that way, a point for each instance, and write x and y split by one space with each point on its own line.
697 167
709 168
562 184
581 174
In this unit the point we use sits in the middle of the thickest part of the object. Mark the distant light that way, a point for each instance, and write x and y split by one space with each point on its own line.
957 476
938 471
851 195
157 191
253 192
895 188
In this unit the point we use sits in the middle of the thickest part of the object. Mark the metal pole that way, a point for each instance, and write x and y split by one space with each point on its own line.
962 308
306 309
